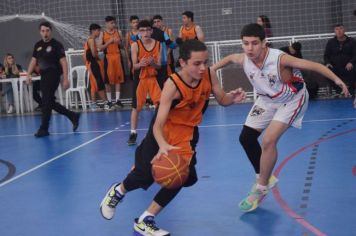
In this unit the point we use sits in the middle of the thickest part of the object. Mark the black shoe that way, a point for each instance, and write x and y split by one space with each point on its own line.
41 133
132 139
119 103
75 121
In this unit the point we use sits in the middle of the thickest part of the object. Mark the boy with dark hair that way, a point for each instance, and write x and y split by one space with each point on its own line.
282 102
191 85
189 30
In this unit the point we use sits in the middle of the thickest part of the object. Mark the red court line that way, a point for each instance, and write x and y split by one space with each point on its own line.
278 196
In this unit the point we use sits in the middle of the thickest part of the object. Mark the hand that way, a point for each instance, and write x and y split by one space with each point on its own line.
238 95
65 84
344 88
150 61
28 79
329 66
144 62
163 150
116 40
349 66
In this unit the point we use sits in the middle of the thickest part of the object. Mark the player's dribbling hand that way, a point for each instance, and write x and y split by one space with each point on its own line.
163 150
238 95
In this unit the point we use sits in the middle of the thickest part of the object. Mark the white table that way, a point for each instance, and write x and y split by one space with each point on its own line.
15 90
22 81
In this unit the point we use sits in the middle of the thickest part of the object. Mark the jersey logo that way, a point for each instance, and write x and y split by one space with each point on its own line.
272 79
251 75
39 49
256 111
192 105
49 49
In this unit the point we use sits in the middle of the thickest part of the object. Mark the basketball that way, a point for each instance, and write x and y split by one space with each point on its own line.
170 171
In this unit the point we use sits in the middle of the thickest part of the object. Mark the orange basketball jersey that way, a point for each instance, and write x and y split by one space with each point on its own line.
188 33
148 71
112 48
187 113
87 56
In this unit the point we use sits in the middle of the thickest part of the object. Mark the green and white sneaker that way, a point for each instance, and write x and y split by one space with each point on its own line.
253 199
110 201
148 227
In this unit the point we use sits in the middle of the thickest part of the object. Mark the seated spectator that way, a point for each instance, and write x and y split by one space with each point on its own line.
11 70
295 49
340 57
264 21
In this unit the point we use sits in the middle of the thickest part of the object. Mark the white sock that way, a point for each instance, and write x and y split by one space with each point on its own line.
263 188
133 131
118 188
146 213
117 96
257 176
108 95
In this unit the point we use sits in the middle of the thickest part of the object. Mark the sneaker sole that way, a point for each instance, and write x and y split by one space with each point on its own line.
103 201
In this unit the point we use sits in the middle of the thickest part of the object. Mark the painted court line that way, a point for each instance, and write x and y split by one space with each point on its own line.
277 194
53 159
144 129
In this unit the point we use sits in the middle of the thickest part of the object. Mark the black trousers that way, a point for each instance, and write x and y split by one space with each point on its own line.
35 91
49 84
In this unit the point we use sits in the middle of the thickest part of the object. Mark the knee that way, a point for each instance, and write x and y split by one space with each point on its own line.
248 136
268 143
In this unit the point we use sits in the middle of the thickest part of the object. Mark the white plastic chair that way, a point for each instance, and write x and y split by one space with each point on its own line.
79 86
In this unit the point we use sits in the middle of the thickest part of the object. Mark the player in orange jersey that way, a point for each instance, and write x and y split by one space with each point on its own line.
185 97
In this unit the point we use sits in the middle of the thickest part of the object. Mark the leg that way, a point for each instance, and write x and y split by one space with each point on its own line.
269 149
249 141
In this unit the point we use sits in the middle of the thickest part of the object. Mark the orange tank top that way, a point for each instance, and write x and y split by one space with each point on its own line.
188 33
189 109
112 48
148 71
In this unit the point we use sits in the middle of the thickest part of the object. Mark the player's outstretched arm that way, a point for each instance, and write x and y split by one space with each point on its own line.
294 62
230 59
223 98
169 93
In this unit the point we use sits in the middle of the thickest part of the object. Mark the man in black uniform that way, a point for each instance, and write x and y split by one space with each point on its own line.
49 54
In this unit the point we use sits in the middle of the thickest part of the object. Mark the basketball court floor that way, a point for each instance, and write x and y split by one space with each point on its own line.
53 186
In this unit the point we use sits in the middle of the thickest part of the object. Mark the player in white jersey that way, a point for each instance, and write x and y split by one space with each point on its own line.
281 103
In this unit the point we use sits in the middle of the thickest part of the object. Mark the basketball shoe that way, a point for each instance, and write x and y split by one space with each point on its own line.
110 201
148 227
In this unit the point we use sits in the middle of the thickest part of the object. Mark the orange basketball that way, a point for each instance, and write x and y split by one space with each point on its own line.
170 171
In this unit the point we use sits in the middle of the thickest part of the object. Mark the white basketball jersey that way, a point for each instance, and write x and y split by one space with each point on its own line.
267 80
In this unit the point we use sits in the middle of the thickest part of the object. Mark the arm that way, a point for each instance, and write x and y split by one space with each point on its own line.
169 93
92 47
30 69
233 58
103 45
64 65
157 63
200 33
225 99
293 62
127 47
135 63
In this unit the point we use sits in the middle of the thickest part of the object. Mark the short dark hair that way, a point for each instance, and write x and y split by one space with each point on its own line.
188 14
94 27
265 20
110 18
134 17
144 24
157 17
338 25
189 46
253 30
297 46
45 24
